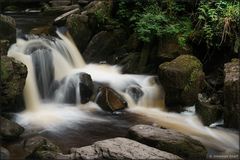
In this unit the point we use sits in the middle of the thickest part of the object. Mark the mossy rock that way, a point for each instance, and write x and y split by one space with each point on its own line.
13 76
183 77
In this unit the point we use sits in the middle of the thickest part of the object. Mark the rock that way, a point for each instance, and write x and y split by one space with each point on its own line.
169 141
57 10
39 143
56 3
84 2
7 28
5 155
103 45
80 30
9 129
129 62
182 80
133 43
13 77
120 148
61 20
86 87
208 113
40 148
110 100
45 30
231 94
95 6
169 49
135 92
4 46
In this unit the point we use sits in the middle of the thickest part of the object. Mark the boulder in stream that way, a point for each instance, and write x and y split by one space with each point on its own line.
208 113
13 77
110 100
120 148
40 148
168 140
86 87
10 130
182 80
232 94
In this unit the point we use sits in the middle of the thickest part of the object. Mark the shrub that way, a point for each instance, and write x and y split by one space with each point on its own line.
218 22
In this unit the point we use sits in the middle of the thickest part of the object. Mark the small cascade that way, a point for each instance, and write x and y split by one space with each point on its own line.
53 97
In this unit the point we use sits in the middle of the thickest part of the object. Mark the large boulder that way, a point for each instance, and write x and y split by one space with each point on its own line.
40 148
103 44
182 80
232 94
78 26
169 141
9 129
120 148
7 28
207 111
13 77
110 100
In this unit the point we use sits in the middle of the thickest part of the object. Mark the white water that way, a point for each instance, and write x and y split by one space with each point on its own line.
53 114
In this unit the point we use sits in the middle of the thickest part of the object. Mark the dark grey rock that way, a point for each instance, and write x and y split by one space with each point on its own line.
120 148
13 77
169 141
232 94
10 130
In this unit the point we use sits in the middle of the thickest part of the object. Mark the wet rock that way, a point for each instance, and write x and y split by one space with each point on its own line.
86 87
7 28
13 77
5 155
44 30
103 45
129 62
168 140
4 46
9 129
84 2
110 100
39 143
80 30
56 3
120 148
61 20
41 148
57 10
231 94
182 80
208 113
135 92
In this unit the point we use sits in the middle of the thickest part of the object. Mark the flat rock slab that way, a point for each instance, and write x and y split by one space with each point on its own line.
120 148
168 140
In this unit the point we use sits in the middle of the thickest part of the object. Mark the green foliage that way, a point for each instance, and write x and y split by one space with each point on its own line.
150 19
218 21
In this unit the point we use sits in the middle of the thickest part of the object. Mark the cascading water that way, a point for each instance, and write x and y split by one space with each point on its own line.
53 68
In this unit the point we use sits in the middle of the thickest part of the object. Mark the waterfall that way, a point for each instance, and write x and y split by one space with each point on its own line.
53 67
